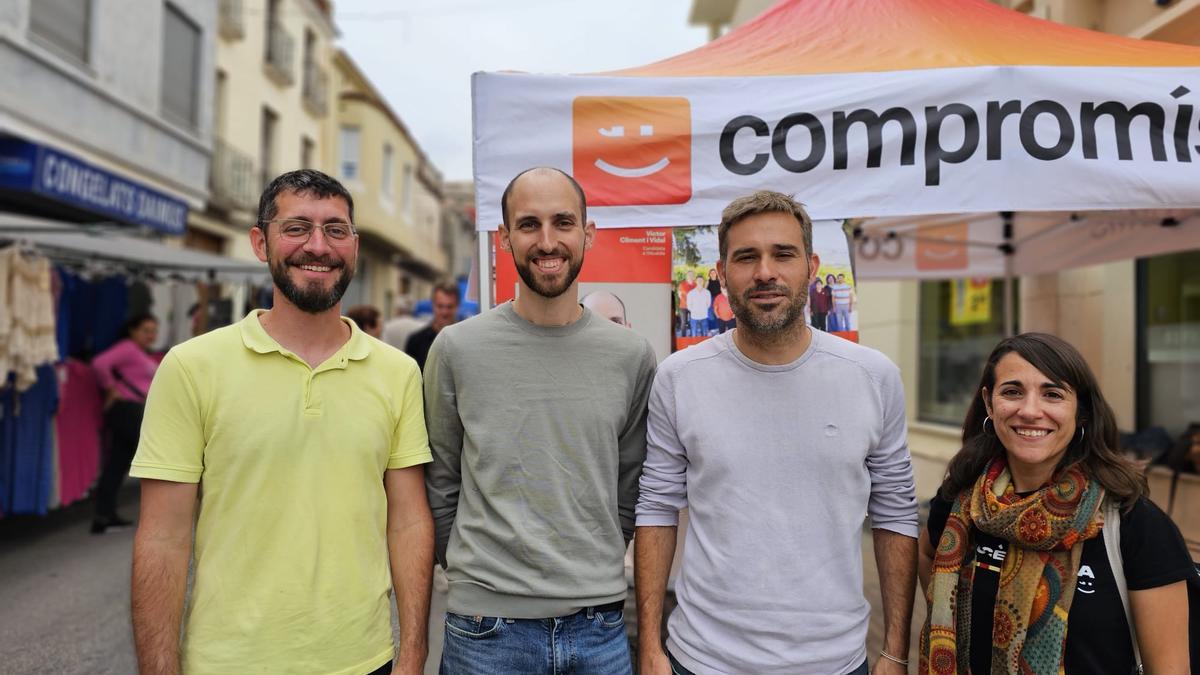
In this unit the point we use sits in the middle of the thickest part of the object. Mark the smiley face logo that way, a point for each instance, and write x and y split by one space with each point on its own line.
633 150
1087 580
942 247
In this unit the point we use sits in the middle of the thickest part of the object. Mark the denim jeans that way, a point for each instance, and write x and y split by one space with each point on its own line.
699 326
677 669
589 642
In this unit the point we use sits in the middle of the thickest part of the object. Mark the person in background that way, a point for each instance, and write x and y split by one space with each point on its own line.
699 301
714 290
367 318
124 371
723 312
831 320
1013 562
685 287
397 329
843 302
445 312
607 305
821 304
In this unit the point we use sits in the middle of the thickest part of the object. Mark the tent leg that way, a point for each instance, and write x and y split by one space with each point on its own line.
485 270
1010 323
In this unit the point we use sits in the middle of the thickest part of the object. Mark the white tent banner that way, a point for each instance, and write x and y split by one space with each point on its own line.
674 151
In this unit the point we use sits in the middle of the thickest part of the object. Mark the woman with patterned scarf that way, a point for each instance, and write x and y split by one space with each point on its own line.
1014 568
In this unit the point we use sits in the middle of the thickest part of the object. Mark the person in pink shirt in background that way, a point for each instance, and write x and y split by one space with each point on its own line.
124 371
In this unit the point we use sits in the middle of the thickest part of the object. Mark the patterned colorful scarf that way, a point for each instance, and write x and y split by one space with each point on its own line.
1045 531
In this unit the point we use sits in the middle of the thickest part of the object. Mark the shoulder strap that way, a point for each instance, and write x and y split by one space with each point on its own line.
1112 547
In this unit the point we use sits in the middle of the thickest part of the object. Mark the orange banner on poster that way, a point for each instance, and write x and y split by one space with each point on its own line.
627 255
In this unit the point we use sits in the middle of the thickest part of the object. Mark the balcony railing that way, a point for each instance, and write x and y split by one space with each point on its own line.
280 48
232 24
316 90
233 178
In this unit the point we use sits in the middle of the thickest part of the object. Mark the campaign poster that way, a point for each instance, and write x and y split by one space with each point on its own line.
625 279
701 307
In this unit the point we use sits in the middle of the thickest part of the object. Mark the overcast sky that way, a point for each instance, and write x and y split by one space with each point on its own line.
420 53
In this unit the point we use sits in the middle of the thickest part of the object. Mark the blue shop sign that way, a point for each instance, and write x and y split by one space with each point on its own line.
56 175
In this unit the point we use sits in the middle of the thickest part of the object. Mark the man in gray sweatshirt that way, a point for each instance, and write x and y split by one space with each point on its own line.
536 413
779 439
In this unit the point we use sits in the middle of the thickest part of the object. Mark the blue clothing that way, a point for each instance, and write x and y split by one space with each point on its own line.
590 641
91 314
27 444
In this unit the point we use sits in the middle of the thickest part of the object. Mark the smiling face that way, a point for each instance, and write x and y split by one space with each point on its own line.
633 150
767 272
314 274
546 233
1034 419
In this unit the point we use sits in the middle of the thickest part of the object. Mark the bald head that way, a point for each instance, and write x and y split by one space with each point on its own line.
606 305
542 172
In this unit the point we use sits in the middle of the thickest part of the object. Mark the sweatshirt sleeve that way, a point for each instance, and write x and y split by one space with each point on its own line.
664 474
632 444
443 477
893 502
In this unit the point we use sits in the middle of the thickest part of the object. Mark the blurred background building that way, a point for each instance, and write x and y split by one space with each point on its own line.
107 116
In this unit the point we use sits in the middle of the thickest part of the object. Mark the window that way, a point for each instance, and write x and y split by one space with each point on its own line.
220 100
307 150
272 23
65 24
180 67
960 323
387 178
266 150
1169 341
406 195
349 153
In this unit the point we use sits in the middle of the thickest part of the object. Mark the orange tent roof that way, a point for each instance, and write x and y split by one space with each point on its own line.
804 37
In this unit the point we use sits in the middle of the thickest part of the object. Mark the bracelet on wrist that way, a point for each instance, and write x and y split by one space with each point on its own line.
889 657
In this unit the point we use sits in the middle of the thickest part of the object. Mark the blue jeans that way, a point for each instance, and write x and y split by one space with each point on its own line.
677 669
588 642
699 326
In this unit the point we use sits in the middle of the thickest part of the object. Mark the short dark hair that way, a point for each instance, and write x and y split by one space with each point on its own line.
135 321
763 201
449 288
509 188
1097 452
366 316
301 182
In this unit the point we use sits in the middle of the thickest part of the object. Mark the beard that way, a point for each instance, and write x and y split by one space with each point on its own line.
312 298
774 322
528 273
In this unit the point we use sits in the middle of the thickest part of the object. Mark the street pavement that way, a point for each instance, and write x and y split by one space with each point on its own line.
64 598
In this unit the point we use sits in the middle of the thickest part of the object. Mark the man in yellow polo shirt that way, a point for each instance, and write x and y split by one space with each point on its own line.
295 443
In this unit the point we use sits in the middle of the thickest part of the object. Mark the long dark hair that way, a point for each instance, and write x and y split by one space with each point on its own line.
1098 453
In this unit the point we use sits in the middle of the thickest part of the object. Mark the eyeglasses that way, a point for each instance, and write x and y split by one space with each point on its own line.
299 231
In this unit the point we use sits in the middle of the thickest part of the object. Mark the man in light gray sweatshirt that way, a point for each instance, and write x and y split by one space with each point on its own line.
780 439
536 413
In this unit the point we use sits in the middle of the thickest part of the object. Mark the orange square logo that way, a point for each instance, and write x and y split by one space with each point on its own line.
942 247
633 150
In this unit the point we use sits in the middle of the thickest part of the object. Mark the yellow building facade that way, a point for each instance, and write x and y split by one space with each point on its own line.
272 97
396 193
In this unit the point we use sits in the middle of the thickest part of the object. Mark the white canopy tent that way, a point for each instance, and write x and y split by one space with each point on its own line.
1045 146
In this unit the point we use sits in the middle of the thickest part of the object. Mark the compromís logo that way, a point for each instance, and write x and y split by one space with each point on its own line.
633 150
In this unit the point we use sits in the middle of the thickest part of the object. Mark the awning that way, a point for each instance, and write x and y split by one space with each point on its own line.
1016 244
108 246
